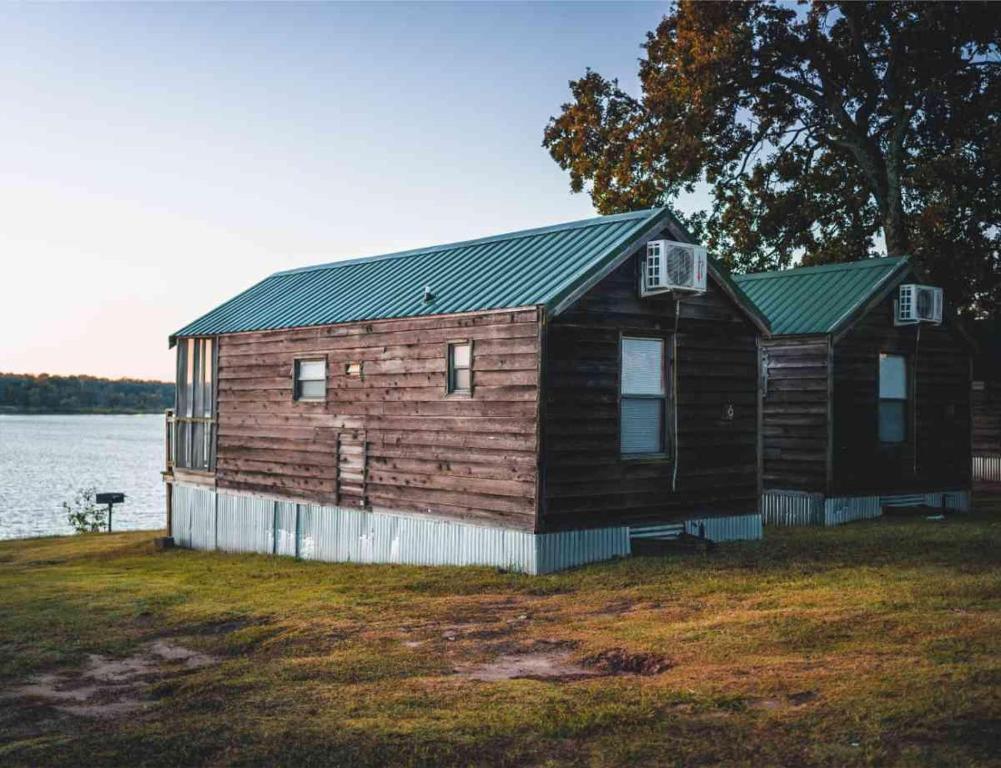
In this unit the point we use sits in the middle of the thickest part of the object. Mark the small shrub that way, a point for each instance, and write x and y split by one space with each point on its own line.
83 513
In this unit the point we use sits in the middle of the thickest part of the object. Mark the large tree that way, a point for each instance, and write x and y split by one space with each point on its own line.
820 129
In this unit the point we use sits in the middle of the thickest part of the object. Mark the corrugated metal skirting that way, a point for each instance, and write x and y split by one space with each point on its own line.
792 508
193 520
204 519
798 508
987 468
734 528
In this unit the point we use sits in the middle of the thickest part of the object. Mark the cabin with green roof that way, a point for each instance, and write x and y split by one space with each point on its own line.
987 400
866 393
532 401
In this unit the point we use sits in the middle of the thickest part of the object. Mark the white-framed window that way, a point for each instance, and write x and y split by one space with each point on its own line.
460 368
642 397
892 399
310 379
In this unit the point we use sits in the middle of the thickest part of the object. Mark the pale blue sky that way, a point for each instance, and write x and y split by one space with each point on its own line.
158 159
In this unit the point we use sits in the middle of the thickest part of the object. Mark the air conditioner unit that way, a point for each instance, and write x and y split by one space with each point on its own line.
671 266
919 304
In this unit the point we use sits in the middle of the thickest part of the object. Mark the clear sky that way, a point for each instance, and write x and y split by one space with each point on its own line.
157 159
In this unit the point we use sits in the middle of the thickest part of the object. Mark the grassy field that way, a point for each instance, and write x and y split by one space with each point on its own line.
873 644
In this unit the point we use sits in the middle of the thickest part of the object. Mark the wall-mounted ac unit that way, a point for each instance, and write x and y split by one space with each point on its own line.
671 266
919 304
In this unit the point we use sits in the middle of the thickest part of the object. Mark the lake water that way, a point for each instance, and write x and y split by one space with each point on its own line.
45 460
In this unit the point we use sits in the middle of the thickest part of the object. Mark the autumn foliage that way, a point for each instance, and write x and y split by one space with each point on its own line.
825 131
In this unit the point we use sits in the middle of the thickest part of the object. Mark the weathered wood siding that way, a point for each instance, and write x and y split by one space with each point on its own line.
391 438
586 481
795 412
936 454
987 419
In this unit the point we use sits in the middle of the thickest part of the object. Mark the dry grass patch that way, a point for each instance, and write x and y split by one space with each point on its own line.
874 644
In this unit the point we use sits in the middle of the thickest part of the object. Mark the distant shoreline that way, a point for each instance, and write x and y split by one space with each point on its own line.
9 411
31 394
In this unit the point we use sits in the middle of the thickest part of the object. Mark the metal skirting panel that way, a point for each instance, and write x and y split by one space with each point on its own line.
240 523
734 528
244 523
848 509
286 529
987 468
566 549
193 517
798 508
957 501
665 532
792 508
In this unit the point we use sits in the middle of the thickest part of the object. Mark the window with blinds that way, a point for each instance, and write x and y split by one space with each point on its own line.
892 399
310 380
460 368
643 398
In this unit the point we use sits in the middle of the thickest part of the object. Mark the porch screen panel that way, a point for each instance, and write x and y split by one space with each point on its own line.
194 420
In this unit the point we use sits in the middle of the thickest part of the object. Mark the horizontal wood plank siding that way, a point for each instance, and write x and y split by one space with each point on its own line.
586 482
470 458
936 454
987 419
795 414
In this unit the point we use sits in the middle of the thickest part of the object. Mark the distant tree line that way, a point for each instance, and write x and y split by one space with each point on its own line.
25 393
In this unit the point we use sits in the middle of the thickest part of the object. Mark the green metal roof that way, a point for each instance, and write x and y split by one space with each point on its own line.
533 267
809 300
519 269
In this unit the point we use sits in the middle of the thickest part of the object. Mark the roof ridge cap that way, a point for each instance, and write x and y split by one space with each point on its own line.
515 235
875 261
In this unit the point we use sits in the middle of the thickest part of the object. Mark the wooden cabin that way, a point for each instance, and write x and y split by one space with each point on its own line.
987 401
531 401
866 393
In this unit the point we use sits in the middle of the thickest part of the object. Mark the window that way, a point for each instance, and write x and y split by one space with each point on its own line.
460 375
642 397
194 411
310 380
892 398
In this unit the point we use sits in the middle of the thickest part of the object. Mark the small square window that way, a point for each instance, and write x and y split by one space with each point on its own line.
310 379
460 374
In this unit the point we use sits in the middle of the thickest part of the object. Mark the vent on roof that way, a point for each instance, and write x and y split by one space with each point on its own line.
919 304
671 266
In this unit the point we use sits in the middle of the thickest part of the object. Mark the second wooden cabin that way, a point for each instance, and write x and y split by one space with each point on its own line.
987 401
866 393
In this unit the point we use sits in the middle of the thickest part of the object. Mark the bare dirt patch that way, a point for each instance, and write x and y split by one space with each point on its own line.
106 687
532 665
798 699
555 660
619 661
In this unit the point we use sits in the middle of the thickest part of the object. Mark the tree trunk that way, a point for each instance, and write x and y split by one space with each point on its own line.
894 230
892 207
